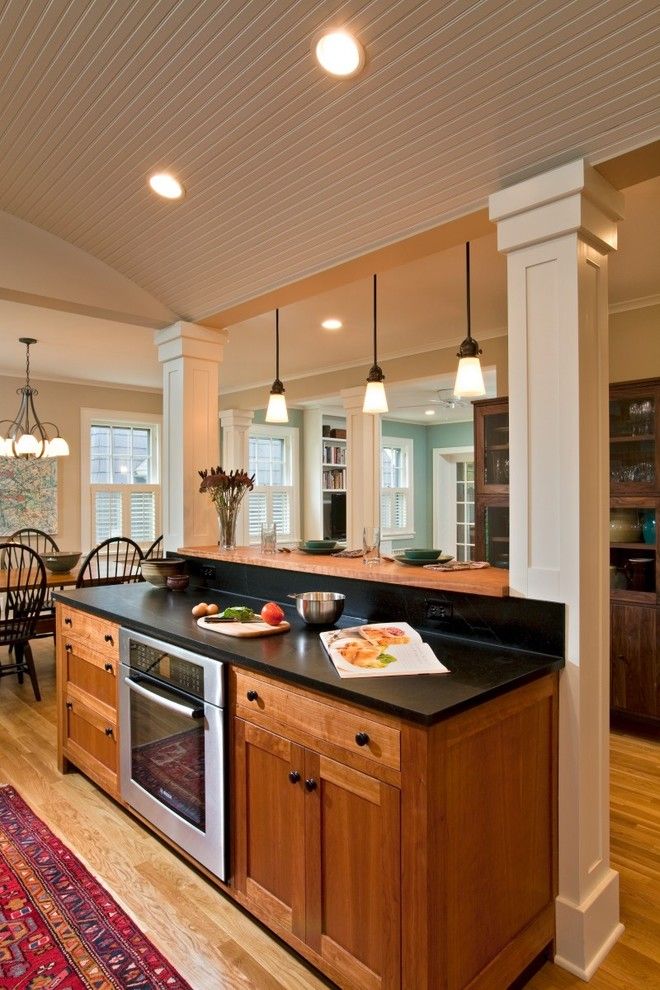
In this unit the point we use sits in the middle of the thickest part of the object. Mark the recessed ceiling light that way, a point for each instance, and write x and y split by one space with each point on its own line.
340 54
429 412
332 324
166 185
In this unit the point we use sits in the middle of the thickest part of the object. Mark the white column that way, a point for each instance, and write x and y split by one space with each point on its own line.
236 425
312 495
363 433
190 356
557 230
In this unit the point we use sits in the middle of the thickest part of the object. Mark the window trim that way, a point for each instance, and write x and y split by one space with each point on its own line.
408 445
291 435
114 417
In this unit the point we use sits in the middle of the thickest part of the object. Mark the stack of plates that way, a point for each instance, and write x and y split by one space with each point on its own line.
418 558
318 546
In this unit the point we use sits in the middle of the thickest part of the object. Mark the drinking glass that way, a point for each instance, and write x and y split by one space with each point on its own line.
371 545
269 537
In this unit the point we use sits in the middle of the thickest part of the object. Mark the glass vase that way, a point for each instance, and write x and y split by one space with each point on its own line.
227 516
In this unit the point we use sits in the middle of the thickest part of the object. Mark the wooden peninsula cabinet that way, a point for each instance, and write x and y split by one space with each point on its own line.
87 670
390 844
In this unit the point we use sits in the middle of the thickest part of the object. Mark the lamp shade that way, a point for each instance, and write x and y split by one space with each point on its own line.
375 400
27 444
469 382
57 447
277 411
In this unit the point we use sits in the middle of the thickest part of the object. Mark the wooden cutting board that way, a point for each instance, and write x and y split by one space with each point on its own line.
244 630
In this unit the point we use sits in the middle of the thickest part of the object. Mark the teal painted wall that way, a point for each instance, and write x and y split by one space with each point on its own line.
422 479
444 435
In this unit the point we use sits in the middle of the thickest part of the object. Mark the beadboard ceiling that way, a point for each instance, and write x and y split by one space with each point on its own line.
288 171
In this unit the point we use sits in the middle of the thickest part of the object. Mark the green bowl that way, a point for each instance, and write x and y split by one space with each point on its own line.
422 554
320 544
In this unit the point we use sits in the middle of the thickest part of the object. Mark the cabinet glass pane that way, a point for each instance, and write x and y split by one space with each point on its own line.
496 449
496 533
632 440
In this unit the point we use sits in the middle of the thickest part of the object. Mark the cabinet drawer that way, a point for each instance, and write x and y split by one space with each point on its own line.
95 676
91 731
304 717
93 637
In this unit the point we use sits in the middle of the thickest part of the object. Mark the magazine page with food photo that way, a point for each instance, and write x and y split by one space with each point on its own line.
380 649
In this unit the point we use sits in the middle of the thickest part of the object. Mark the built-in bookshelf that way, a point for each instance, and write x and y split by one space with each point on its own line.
333 467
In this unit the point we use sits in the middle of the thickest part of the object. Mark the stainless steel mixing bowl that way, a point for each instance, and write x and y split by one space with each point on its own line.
319 608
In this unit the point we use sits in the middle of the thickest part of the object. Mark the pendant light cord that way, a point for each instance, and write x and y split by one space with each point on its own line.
375 320
467 284
277 345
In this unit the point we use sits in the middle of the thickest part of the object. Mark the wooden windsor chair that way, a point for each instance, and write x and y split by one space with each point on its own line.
42 543
156 549
114 561
25 575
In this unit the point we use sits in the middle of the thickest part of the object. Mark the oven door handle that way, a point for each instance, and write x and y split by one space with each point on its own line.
189 711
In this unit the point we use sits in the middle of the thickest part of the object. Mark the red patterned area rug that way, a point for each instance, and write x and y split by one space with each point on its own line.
59 929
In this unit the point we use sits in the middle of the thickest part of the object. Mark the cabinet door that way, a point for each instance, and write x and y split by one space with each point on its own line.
269 827
633 659
634 452
352 845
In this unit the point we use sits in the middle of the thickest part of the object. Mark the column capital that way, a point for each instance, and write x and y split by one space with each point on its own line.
571 199
236 418
183 339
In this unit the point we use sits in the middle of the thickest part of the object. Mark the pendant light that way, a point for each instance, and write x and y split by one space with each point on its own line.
469 382
276 412
375 400
26 435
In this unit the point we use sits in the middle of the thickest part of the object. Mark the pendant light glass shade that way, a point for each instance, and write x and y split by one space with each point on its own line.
469 382
25 435
277 411
375 400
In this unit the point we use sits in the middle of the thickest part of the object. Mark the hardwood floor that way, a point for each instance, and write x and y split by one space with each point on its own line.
213 944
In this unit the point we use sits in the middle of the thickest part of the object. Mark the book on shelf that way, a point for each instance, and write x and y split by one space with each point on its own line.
380 649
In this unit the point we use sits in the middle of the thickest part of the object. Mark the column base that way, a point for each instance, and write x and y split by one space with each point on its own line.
586 932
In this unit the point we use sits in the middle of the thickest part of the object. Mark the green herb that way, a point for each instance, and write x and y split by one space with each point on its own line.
239 613
386 658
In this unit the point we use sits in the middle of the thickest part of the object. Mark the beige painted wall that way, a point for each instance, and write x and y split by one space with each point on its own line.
635 344
61 403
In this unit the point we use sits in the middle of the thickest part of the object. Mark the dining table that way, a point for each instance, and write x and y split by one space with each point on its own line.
54 579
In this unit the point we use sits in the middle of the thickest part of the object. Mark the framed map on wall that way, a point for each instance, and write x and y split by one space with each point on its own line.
28 494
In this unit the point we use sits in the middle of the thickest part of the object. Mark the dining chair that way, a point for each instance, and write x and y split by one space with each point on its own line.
156 548
114 561
42 543
25 575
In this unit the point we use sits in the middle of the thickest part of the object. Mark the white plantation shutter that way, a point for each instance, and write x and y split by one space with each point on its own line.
107 515
143 516
257 513
396 498
281 511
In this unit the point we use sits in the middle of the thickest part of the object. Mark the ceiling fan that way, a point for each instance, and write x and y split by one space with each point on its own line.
445 399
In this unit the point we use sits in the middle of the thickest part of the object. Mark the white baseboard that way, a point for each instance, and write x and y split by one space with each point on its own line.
587 931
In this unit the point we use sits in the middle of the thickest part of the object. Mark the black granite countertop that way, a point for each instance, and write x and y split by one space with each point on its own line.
478 671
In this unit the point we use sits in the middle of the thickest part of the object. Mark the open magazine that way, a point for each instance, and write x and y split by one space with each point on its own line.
380 649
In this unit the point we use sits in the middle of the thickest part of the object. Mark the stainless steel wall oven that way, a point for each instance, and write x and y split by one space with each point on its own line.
172 744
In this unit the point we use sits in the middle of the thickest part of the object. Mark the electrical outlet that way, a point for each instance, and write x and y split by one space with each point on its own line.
440 611
208 571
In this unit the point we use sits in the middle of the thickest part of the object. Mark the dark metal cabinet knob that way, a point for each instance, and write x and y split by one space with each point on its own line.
362 738
310 784
252 695
68 621
108 667
109 731
294 776
108 638
68 647
69 705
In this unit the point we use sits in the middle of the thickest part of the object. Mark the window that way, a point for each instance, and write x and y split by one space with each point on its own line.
120 476
396 499
273 460
464 510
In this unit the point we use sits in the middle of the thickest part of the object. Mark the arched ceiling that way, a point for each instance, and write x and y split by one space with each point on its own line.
288 171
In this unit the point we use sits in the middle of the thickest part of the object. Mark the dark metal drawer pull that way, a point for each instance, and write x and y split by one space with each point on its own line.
310 784
69 705
109 731
68 621
294 776
252 695
108 638
68 647
362 738
108 667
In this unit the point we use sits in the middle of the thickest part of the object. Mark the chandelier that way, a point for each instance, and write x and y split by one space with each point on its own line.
26 436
